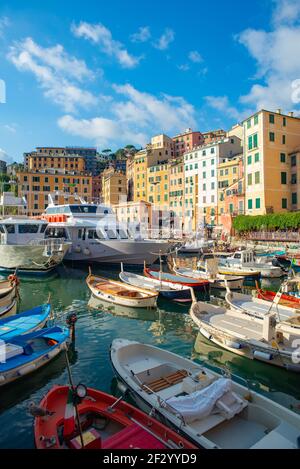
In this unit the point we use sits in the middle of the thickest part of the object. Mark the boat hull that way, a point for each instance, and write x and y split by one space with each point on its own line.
171 278
27 258
130 252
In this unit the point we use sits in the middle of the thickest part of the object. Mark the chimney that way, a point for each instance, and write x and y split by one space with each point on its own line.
291 114
278 111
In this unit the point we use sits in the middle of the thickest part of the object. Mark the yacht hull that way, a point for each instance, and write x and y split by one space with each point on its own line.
29 258
115 251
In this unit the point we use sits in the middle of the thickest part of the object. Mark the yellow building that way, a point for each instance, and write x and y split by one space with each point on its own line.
114 186
228 174
140 176
158 184
64 186
176 190
269 139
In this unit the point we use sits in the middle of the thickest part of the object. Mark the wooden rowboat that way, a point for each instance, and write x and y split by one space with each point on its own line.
106 423
197 284
8 286
121 293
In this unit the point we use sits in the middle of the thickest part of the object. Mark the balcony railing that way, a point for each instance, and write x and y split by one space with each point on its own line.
274 236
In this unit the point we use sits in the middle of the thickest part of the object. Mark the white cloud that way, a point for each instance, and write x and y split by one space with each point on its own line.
183 67
195 57
99 34
4 23
10 128
276 54
5 157
286 11
133 119
221 104
165 40
56 71
142 35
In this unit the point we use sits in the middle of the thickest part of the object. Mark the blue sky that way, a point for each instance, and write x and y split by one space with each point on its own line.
112 73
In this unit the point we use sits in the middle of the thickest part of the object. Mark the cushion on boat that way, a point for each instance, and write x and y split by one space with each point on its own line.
200 404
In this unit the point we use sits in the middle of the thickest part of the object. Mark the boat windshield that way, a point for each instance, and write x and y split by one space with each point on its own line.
52 232
28 228
84 208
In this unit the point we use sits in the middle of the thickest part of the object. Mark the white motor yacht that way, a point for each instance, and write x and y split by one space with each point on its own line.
96 236
23 246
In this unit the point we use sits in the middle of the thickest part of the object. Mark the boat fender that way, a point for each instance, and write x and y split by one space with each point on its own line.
26 369
262 355
293 367
2 378
86 252
77 248
13 279
233 344
51 342
205 333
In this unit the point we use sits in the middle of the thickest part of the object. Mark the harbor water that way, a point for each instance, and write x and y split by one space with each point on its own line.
168 327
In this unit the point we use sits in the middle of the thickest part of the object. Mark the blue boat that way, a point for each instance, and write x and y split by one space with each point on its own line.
24 323
27 353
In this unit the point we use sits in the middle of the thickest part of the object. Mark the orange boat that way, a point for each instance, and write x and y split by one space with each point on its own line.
285 299
100 421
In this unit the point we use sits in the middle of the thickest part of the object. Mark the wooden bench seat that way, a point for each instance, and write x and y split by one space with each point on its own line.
165 381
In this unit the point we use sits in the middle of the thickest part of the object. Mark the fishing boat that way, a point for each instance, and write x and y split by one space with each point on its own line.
27 353
8 285
25 322
8 304
210 410
259 307
211 274
244 261
171 291
120 293
105 423
197 284
290 295
259 338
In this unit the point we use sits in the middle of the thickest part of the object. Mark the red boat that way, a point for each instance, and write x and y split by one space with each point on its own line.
100 421
196 283
285 300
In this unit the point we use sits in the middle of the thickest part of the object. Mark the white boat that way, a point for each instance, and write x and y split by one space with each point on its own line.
258 338
171 291
96 236
23 246
254 306
245 260
120 293
212 275
211 411
196 246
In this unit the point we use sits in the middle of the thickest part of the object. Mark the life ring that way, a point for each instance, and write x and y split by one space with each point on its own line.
13 279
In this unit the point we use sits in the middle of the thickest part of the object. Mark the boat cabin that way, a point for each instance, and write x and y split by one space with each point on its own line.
21 231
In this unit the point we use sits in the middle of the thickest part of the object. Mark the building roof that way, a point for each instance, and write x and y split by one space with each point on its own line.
270 112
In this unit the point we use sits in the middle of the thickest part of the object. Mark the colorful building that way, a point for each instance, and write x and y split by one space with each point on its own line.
158 184
134 213
114 187
186 141
69 158
176 190
231 191
270 138
97 188
64 186
201 179
213 135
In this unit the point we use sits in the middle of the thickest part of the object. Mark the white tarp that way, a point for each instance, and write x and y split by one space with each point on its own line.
199 404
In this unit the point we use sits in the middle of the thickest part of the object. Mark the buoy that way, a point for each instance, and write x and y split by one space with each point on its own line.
262 355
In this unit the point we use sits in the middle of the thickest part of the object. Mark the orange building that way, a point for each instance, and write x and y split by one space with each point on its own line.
64 186
187 141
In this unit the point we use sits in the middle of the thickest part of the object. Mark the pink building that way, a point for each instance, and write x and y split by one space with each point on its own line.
187 141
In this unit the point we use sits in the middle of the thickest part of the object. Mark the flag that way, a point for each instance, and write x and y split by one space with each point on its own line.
69 419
